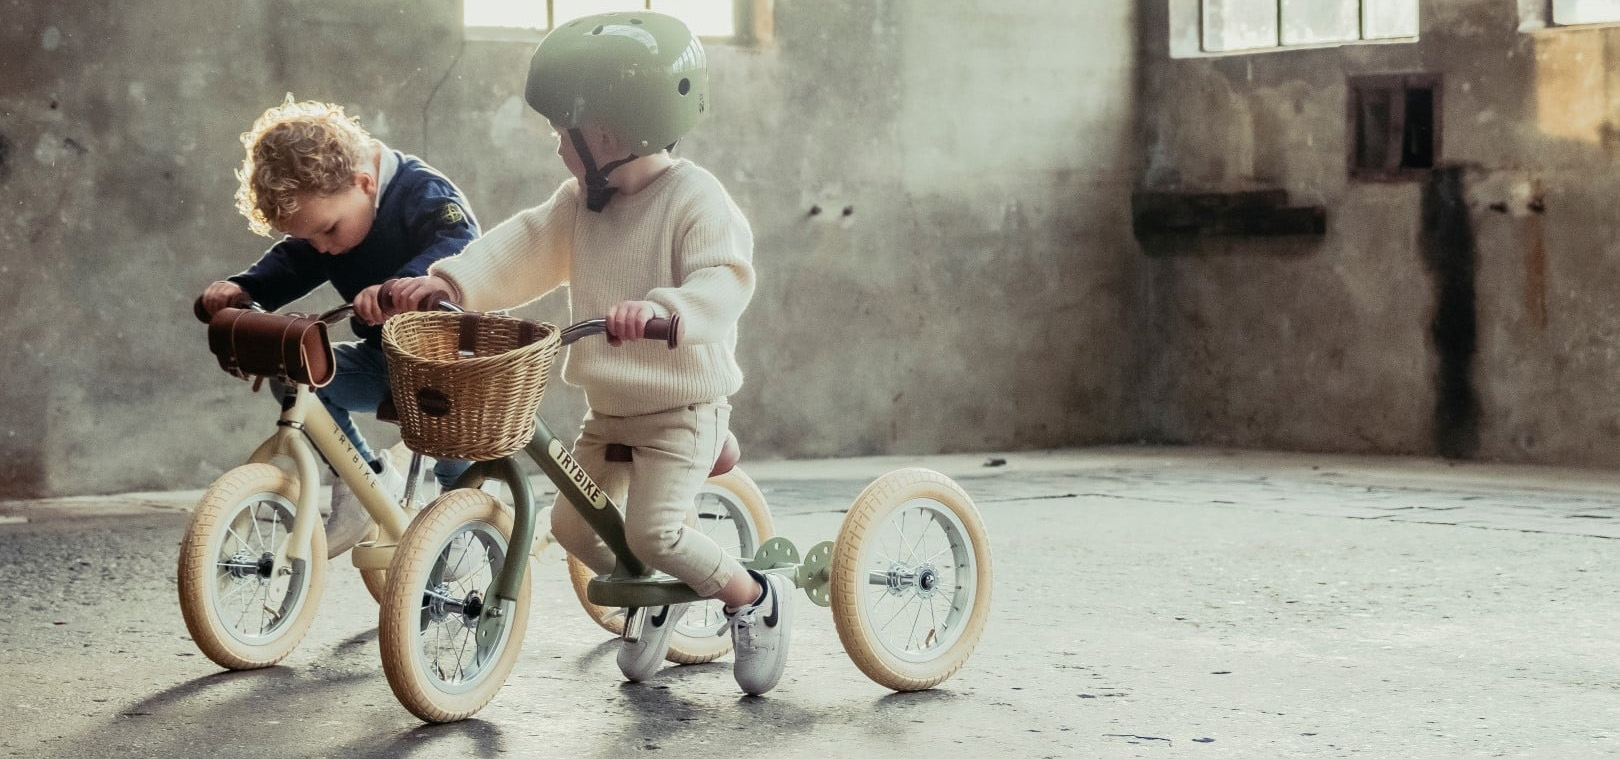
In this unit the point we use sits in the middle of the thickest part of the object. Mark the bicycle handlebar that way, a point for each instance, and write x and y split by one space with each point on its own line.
434 299
246 301
666 330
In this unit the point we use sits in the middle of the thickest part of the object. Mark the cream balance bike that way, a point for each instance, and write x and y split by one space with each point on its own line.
253 560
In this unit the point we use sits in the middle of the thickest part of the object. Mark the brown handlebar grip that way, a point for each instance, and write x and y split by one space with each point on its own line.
385 295
385 299
668 330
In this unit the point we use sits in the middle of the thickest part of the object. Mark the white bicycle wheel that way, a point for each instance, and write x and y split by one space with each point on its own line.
911 579
439 583
241 613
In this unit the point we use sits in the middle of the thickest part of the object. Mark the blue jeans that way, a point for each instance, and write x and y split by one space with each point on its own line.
360 384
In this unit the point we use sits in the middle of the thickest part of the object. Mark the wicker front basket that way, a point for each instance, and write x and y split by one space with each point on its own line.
478 407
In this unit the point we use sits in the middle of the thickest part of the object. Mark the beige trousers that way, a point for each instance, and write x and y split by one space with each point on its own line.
674 451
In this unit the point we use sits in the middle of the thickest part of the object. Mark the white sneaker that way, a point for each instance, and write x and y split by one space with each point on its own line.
346 520
393 482
427 486
760 633
641 659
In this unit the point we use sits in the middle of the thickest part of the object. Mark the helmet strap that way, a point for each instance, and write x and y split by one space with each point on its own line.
597 190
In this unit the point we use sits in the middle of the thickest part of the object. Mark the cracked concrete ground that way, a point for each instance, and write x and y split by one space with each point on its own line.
1148 602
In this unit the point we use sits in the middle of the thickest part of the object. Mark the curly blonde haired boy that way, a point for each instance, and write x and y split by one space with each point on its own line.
353 213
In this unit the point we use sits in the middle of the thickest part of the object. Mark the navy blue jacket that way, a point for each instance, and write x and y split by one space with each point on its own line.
421 218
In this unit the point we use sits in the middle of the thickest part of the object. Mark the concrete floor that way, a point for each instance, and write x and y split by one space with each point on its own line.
1149 602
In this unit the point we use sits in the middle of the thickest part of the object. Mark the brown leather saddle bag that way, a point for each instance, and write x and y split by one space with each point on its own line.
290 347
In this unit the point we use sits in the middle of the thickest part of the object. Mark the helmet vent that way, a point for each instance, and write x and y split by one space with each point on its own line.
685 86
636 21
597 30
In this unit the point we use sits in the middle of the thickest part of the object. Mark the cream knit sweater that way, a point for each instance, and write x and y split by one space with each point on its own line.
680 243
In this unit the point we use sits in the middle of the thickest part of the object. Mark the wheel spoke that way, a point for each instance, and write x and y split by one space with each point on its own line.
922 534
239 588
897 614
933 620
939 553
900 533
914 620
253 516
245 609
461 655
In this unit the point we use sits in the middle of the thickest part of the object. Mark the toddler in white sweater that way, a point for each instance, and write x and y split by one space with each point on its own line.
658 237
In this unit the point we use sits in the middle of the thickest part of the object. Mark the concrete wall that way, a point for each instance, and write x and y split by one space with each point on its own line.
1425 320
977 296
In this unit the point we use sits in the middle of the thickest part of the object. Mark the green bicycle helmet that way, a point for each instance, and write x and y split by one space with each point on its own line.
639 76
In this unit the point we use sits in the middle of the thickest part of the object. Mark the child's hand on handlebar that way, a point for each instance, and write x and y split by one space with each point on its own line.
409 294
223 294
365 306
627 321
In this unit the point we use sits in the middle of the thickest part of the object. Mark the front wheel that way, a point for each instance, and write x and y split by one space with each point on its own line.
911 579
731 510
440 665
243 611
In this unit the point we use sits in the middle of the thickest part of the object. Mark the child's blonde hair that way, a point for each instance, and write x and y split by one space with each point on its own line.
294 149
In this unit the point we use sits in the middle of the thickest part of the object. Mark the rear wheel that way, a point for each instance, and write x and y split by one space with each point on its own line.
911 579
731 510
242 610
444 652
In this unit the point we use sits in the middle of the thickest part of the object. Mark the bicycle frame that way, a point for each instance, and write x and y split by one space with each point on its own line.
305 428
631 583
548 451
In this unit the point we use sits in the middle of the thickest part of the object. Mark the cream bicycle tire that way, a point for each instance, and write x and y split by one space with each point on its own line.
407 600
877 579
201 570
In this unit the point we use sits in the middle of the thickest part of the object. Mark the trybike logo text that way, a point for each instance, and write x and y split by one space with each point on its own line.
355 462
576 473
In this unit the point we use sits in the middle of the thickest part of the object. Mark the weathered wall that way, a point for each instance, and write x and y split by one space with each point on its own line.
975 297
1424 321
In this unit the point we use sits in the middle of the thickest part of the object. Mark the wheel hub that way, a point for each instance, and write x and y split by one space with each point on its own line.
927 580
435 601
438 604
244 564
901 578
921 581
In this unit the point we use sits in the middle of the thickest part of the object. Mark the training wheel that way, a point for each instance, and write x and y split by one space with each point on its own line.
815 574
911 579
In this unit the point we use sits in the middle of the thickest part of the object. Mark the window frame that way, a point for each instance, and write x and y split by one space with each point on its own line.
753 24
1540 16
1552 19
1392 171
1202 48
